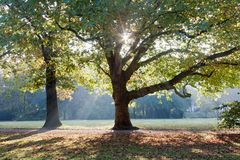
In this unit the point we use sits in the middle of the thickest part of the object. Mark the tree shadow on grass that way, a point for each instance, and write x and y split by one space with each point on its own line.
30 147
125 145
229 138
15 135
137 145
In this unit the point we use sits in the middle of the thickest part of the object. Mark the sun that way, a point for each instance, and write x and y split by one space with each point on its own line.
126 37
126 40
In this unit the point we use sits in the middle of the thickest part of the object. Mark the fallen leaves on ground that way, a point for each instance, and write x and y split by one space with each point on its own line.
78 144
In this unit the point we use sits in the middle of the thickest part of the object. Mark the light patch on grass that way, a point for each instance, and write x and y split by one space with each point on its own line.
196 150
154 124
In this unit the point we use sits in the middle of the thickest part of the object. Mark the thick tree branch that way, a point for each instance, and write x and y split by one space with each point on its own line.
105 72
152 37
110 60
145 43
117 58
156 57
223 54
179 77
141 50
132 48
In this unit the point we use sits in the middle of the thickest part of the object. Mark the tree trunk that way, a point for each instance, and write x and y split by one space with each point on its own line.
122 118
64 114
134 112
52 119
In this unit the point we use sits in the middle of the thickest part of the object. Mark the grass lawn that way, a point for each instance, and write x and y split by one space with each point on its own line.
153 124
109 145
181 139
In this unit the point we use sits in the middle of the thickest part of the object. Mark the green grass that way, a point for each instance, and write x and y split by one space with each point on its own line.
154 124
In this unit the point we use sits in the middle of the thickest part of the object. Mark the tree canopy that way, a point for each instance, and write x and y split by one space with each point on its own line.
143 47
156 41
137 47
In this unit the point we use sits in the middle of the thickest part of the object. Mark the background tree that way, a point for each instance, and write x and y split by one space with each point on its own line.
40 50
145 47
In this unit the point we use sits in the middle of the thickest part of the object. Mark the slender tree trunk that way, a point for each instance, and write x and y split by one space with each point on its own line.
134 112
121 99
52 119
24 103
64 114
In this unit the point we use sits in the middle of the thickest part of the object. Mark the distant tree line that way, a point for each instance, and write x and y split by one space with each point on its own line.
16 105
152 107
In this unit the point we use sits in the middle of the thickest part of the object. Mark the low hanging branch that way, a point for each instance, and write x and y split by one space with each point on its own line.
135 67
168 85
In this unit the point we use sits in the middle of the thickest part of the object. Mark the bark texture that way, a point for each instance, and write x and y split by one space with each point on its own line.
121 99
122 118
52 117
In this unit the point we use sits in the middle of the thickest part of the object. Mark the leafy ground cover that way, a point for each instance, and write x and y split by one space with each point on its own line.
107 144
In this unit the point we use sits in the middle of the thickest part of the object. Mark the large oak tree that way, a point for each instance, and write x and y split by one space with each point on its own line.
143 47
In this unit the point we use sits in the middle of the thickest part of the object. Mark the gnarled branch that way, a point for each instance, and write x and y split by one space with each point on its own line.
179 77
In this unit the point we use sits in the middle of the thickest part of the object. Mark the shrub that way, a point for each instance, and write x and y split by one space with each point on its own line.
229 115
